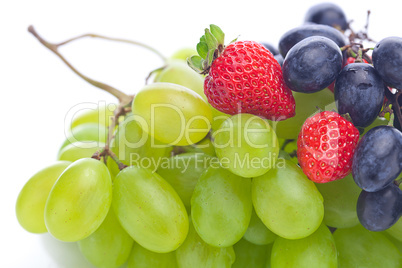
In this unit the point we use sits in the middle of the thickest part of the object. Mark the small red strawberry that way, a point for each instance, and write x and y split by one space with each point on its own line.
243 77
325 147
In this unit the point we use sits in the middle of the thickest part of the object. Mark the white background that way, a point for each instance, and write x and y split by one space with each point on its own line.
37 89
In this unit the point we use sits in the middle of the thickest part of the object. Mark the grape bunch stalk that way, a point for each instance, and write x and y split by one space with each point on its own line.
239 154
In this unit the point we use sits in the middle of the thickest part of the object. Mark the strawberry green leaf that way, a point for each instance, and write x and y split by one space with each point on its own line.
234 40
217 32
196 63
202 49
211 40
202 39
210 56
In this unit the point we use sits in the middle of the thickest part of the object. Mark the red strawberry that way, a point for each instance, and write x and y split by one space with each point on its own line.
244 77
325 147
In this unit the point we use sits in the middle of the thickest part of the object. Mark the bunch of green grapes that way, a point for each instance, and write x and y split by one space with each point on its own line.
173 182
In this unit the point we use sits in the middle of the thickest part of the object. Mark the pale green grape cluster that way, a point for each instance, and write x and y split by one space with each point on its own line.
358 247
287 202
172 114
246 145
180 184
315 250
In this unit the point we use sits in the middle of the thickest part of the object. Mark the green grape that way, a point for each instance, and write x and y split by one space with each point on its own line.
184 53
221 207
204 146
396 230
172 113
340 201
257 233
314 251
290 146
78 150
143 258
358 247
284 155
178 72
149 209
218 118
100 116
109 246
90 132
30 205
287 202
79 200
269 253
195 253
306 106
250 255
246 145
133 146
397 243
182 172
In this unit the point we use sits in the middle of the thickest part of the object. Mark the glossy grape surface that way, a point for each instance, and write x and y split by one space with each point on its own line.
133 146
317 250
396 230
271 48
246 145
86 132
101 116
378 211
287 202
143 258
377 160
109 245
340 200
79 201
359 91
295 35
178 72
257 233
250 255
358 247
221 207
183 53
173 114
312 64
306 106
182 172
30 206
196 253
387 60
149 209
328 14
78 150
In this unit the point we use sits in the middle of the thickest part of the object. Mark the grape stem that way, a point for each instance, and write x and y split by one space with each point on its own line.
121 110
121 96
121 40
397 109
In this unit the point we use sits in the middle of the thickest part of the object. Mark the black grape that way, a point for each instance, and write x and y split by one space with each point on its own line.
387 60
295 35
377 160
271 48
359 91
312 64
378 211
279 59
328 14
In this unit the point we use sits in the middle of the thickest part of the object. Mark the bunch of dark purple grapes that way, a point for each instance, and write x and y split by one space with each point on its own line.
318 55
